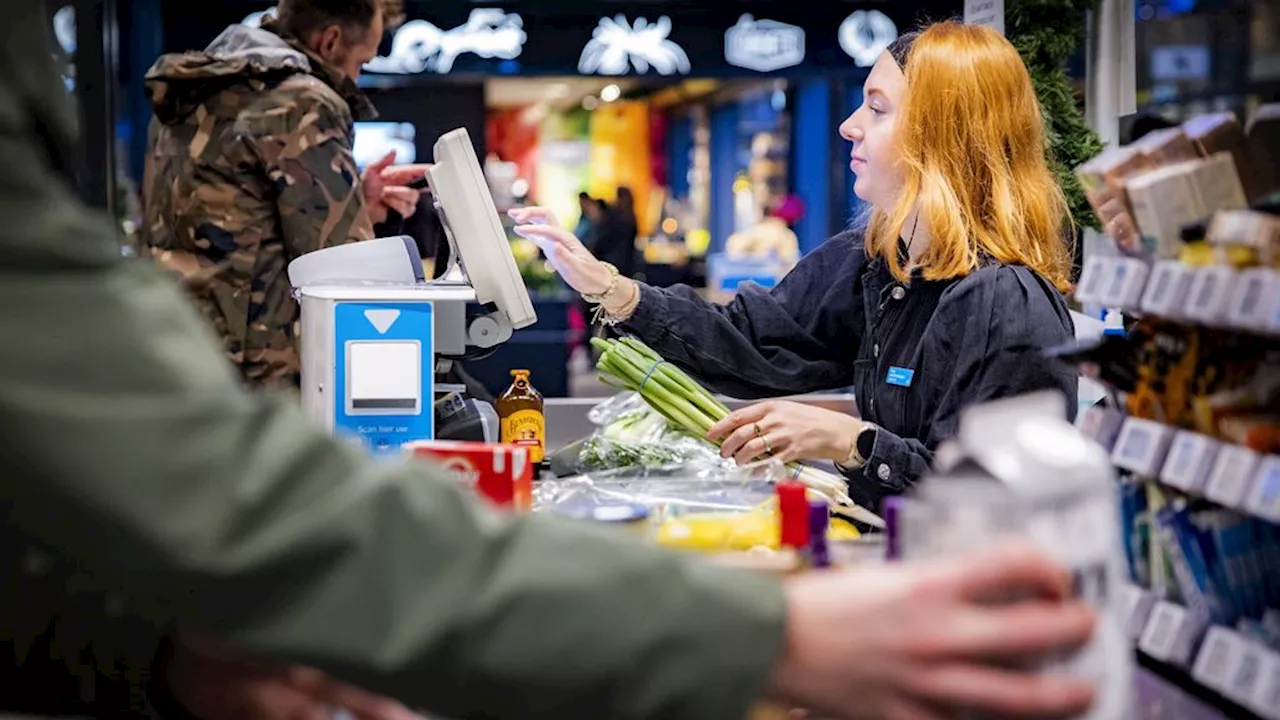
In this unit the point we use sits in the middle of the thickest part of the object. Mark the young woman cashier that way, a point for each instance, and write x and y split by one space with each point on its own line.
943 299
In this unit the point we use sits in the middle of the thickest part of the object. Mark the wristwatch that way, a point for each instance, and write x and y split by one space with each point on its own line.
613 285
864 443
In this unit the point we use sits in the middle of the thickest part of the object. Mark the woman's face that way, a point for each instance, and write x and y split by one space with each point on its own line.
870 128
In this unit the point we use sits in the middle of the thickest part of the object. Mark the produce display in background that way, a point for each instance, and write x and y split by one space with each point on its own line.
629 364
1046 33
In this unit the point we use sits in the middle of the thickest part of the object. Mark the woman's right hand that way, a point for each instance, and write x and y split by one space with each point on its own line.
566 253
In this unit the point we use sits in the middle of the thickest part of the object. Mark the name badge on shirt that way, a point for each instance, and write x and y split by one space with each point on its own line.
900 376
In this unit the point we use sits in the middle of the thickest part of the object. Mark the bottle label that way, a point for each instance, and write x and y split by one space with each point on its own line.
526 429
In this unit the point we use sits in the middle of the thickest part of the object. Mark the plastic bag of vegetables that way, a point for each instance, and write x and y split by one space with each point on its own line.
632 434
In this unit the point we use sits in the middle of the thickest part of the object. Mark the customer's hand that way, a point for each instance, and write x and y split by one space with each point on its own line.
787 431
566 253
924 641
213 682
384 186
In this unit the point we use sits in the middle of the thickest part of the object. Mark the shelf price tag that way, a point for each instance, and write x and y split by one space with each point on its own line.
1142 446
1244 671
1206 300
1163 637
1123 288
1093 279
1212 668
1233 474
1273 315
1167 289
1137 610
1252 298
1266 697
1264 496
1190 460
1101 424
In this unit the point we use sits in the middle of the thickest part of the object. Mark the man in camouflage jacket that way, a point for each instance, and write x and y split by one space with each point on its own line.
250 165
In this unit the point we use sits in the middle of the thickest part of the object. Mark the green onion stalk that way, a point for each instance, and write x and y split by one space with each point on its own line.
629 364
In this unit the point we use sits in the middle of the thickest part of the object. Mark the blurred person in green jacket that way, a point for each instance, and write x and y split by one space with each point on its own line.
145 491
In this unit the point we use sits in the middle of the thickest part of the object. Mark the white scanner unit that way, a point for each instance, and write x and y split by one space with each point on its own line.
375 333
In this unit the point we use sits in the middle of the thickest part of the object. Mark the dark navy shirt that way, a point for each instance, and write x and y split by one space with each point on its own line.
915 355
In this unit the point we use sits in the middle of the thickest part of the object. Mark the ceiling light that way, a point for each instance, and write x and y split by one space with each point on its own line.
610 93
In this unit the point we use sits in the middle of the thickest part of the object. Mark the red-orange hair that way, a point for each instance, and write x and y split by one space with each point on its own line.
971 142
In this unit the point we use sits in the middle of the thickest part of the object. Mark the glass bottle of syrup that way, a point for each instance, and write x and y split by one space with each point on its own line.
522 422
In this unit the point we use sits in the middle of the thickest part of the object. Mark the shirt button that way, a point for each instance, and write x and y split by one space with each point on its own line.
899 292
875 349
883 471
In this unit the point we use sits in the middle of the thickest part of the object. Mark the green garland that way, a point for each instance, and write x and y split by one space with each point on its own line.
1046 33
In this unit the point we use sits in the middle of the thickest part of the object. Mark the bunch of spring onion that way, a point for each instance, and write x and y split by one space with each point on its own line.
629 364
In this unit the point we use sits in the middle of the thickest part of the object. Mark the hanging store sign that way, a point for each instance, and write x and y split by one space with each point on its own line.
420 46
763 45
617 46
865 35
603 37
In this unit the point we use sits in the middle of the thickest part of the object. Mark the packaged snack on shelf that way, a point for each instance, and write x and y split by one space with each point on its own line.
1164 200
1221 132
1259 232
1218 183
1263 133
1103 181
1166 147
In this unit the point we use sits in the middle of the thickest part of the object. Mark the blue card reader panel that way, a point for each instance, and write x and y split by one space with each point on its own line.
384 360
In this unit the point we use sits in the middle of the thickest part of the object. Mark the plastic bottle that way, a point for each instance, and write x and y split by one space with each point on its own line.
523 423
793 511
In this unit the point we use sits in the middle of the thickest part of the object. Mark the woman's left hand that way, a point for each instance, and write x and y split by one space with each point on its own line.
787 431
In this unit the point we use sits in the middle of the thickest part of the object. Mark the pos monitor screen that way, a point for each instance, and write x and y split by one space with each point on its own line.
475 233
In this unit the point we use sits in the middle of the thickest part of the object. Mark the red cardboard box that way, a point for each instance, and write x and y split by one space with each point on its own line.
503 474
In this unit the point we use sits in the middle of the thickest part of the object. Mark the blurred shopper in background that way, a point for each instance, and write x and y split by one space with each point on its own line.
615 242
772 237
249 165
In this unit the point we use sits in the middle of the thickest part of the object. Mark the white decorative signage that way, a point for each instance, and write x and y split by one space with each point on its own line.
985 12
763 45
64 28
616 46
865 35
420 46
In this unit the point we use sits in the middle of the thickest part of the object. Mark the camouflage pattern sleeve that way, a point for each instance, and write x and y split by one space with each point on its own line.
306 152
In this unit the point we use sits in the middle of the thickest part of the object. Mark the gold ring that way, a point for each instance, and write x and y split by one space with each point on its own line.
758 433
767 449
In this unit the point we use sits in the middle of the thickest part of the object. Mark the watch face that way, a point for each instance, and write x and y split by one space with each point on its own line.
867 442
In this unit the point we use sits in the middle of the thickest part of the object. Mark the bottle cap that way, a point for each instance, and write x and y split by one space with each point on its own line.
518 373
819 520
793 506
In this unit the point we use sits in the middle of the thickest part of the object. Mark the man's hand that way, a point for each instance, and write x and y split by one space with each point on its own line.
385 187
213 682
926 641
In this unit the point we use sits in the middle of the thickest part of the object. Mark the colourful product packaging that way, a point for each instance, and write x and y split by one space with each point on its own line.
502 474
